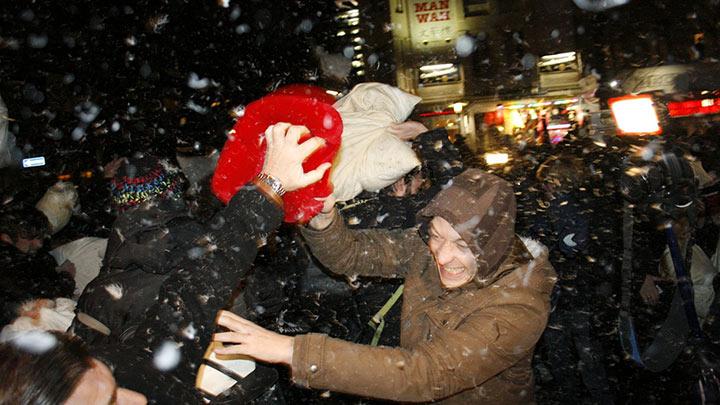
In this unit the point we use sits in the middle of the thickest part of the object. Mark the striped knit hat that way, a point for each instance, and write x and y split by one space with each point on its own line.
143 179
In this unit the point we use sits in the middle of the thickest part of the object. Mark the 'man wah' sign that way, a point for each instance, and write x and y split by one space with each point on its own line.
432 21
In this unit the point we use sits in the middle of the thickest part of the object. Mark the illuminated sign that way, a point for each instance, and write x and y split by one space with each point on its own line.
635 115
432 21
694 107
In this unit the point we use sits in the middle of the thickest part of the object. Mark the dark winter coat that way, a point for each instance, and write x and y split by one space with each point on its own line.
144 247
196 288
24 277
469 345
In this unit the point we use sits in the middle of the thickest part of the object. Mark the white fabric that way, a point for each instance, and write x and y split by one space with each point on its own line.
370 157
702 273
55 315
9 152
86 254
58 204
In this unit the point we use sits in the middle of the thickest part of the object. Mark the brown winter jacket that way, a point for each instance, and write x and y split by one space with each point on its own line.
470 345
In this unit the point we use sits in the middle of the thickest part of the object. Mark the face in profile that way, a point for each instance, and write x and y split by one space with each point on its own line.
455 261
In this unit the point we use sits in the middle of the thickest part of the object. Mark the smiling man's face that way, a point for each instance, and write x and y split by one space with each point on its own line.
455 261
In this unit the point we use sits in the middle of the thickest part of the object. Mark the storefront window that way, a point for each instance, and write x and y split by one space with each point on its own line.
441 73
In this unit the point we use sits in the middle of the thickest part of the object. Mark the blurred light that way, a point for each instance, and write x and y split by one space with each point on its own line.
558 126
514 120
430 71
496 158
353 22
357 63
635 115
353 12
457 107
358 56
358 40
360 73
556 59
614 84
558 56
355 31
341 33
566 101
357 47
332 93
441 66
436 113
694 107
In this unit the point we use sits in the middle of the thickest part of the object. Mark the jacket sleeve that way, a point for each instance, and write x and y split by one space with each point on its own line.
447 363
367 252
188 302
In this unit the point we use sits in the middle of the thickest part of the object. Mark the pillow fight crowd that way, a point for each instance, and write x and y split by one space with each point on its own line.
335 252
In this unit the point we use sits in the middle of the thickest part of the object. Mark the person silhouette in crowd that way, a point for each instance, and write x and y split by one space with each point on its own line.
27 269
160 360
475 303
575 354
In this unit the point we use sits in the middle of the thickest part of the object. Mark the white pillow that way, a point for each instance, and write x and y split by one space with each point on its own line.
370 156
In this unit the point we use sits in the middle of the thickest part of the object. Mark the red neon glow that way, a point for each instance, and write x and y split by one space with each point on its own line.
436 113
694 107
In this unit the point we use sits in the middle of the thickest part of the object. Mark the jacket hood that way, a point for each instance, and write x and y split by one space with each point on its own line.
481 208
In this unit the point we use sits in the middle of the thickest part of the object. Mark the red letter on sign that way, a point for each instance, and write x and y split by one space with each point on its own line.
423 18
421 7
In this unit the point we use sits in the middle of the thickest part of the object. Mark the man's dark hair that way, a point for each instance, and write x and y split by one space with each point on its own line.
46 378
26 222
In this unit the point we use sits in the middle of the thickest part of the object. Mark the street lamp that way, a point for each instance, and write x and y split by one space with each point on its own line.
457 107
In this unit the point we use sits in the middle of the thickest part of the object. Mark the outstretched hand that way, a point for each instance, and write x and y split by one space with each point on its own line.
253 340
285 155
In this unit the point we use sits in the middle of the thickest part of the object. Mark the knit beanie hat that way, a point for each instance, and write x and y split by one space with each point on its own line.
143 179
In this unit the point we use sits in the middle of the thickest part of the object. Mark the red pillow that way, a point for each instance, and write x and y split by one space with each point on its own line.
244 152
306 90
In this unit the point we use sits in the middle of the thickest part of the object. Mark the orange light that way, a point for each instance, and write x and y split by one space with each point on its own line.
496 158
635 115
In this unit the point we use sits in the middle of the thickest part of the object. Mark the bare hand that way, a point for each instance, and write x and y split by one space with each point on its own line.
67 267
110 169
284 156
399 188
252 340
326 216
648 291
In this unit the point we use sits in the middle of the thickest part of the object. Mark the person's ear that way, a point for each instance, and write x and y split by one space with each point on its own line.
7 239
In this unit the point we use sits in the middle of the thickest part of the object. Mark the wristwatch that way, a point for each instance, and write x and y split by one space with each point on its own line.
274 183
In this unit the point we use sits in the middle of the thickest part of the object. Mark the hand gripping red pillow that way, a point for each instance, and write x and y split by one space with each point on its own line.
244 152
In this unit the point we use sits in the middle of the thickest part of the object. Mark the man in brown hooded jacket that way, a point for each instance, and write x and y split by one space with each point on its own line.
476 302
